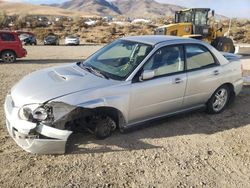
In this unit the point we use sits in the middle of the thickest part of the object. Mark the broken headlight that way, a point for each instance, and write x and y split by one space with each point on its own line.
36 113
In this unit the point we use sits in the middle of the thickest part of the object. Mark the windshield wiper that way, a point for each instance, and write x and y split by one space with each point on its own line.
94 71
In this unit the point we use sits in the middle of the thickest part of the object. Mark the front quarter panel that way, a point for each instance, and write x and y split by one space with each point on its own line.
117 97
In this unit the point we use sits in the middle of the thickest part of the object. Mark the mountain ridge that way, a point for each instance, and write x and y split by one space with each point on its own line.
131 8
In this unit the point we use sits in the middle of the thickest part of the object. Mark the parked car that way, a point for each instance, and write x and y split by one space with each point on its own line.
51 39
27 38
72 40
126 83
10 47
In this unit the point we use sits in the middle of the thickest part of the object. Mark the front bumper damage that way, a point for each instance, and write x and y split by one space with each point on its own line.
33 137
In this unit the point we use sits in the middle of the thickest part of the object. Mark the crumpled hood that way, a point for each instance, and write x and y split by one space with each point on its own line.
44 85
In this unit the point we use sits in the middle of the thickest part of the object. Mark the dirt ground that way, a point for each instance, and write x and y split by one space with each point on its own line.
191 150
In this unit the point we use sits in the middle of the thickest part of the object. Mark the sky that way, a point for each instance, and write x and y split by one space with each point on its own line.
229 8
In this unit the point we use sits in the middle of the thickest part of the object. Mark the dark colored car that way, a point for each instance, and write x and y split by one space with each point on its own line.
27 38
11 47
51 39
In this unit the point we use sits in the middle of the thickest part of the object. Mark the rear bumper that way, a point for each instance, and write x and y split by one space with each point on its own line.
238 86
50 43
22 53
32 137
72 42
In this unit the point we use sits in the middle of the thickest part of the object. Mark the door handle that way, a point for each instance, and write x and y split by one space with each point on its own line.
178 80
216 72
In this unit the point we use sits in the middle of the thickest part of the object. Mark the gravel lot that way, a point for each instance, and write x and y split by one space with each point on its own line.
191 150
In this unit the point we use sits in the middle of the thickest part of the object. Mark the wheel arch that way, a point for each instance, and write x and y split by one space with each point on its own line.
232 91
113 113
231 88
6 50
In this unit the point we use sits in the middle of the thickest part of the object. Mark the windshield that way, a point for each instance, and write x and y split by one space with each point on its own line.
201 17
185 17
51 37
118 59
22 36
72 37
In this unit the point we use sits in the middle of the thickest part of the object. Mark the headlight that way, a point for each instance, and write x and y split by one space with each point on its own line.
40 114
25 113
35 112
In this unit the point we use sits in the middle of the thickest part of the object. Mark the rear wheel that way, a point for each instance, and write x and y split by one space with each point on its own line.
219 100
8 57
224 44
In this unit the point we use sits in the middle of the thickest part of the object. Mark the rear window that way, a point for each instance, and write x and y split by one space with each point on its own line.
7 37
198 57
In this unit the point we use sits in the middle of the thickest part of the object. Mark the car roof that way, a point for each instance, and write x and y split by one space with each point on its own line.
7 31
156 39
24 32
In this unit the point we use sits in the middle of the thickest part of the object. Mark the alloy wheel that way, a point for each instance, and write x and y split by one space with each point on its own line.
220 100
9 57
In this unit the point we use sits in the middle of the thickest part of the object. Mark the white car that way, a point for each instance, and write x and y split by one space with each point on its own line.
126 83
72 40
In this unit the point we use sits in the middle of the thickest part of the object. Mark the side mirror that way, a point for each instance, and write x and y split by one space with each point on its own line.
147 74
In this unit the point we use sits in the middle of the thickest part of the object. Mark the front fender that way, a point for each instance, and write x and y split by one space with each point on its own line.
93 103
120 103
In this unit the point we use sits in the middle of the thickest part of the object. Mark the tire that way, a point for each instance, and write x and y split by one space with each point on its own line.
8 57
219 100
104 127
224 44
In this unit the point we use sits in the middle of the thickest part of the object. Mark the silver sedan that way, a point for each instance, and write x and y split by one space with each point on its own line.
72 40
126 83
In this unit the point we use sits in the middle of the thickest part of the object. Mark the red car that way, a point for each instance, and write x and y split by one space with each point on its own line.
10 47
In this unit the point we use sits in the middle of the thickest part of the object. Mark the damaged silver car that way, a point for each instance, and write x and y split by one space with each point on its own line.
128 82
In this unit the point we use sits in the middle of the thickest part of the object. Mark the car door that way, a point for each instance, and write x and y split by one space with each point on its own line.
203 73
164 92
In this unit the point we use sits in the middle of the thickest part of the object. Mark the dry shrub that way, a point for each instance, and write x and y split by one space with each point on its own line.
41 32
112 30
103 40
3 18
90 40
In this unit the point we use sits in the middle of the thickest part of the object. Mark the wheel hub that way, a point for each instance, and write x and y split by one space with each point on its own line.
220 100
8 57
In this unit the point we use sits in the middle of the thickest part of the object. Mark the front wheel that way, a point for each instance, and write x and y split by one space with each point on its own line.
224 44
219 100
8 57
104 127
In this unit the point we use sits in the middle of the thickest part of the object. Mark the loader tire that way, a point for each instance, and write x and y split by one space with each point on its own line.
224 44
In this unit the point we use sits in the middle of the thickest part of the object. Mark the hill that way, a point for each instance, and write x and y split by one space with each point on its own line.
131 8
25 8
147 8
97 7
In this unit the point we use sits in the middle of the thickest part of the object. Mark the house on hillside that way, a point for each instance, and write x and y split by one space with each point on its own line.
140 20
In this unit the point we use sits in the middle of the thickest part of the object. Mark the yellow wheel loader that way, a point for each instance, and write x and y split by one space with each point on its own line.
194 23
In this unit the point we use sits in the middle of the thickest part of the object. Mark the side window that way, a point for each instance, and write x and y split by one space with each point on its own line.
7 37
198 57
166 60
